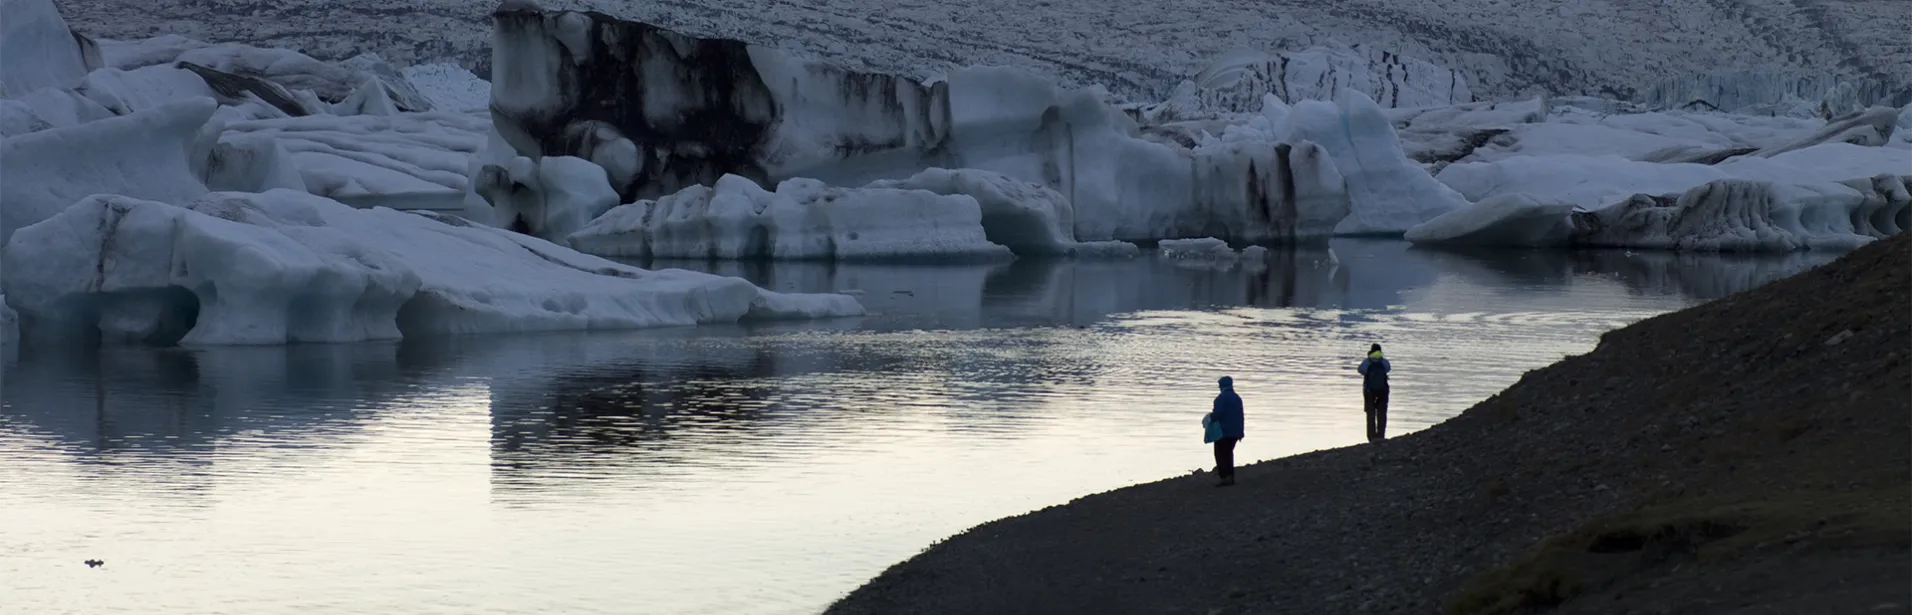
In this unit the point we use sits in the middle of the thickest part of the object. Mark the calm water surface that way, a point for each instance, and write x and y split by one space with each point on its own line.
765 469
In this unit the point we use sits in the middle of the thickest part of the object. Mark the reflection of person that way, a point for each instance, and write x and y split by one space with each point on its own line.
1374 392
1228 413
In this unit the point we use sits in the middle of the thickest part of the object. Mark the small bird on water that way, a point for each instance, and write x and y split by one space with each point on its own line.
94 563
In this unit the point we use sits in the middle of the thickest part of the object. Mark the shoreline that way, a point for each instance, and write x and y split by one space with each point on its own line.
1694 462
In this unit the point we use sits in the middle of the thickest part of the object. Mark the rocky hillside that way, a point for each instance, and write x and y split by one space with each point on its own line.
1749 455
1618 48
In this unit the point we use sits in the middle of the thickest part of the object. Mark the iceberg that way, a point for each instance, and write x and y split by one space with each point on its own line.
1510 220
403 161
283 267
1387 192
803 219
1749 215
149 153
38 50
1027 218
705 108
550 197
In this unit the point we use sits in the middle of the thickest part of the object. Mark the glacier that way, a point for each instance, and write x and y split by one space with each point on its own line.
1141 50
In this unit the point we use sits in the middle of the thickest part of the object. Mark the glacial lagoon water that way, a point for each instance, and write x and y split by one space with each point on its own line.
753 469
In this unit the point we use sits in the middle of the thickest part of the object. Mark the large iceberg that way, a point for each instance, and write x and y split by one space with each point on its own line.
661 111
283 266
1387 192
1749 215
1592 182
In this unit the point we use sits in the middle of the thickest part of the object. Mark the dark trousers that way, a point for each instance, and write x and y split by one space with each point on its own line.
1225 457
1375 402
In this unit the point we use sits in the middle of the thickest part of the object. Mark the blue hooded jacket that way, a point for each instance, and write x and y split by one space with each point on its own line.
1374 372
1228 410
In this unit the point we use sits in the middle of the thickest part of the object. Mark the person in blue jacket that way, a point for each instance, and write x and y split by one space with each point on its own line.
1228 413
1374 392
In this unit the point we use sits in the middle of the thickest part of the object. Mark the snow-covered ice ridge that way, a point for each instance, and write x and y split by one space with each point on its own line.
1139 50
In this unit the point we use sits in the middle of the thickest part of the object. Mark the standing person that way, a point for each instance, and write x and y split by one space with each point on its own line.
1228 414
1374 392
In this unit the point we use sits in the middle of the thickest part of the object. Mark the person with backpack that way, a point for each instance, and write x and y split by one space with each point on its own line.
1223 426
1374 392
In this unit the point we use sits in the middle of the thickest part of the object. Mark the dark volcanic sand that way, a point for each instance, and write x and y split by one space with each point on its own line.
1749 455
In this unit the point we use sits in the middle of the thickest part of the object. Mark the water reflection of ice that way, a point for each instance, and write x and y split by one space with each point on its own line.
565 396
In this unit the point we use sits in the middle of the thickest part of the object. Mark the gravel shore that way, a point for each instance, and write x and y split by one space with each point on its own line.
1749 455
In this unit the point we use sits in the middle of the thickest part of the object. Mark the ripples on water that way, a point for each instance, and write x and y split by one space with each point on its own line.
762 469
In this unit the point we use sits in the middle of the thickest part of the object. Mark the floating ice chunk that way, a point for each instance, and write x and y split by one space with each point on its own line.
1027 218
146 154
1105 249
146 272
1748 215
550 197
284 266
1825 162
1202 248
1387 192
1509 220
803 219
